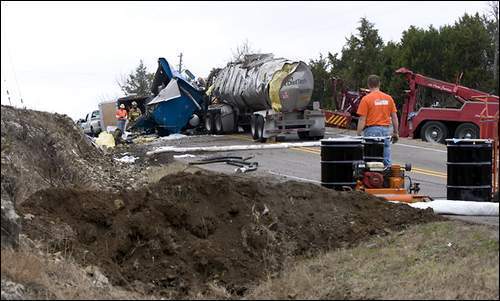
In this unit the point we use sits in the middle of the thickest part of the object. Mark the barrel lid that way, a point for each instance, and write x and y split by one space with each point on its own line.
340 140
467 141
375 138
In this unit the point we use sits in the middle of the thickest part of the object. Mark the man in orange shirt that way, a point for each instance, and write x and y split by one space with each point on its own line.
121 116
375 113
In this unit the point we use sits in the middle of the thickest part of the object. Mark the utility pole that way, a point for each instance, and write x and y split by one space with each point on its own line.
180 62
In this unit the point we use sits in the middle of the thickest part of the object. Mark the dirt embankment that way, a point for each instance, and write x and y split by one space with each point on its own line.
42 150
191 229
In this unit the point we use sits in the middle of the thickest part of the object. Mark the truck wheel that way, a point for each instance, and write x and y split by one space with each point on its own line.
467 131
92 134
259 126
209 123
218 124
317 137
303 135
434 131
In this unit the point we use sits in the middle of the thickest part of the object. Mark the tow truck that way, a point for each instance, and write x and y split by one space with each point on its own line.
433 110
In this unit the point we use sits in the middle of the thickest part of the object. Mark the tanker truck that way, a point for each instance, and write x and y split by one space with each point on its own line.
266 95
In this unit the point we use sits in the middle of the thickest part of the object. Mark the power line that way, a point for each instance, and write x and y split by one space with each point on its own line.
12 65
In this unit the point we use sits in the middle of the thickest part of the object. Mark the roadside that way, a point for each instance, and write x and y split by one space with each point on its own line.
445 260
94 227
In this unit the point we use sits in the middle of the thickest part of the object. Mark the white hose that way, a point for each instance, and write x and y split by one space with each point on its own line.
459 207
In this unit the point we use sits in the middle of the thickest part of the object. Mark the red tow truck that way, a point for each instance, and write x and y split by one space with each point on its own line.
433 110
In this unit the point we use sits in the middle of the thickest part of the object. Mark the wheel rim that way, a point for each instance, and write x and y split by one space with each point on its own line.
434 133
467 133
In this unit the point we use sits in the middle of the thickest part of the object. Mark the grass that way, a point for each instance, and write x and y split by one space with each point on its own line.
48 277
444 260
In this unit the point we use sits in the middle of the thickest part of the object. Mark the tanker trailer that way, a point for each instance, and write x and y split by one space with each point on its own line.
270 96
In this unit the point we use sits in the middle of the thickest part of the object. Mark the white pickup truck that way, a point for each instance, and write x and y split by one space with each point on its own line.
91 125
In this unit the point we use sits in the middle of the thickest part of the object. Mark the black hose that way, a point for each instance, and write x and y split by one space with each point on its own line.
221 157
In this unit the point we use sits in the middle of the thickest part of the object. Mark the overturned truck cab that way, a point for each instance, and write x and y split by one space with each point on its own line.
177 105
266 95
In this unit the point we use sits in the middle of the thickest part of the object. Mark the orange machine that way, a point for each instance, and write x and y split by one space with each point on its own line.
373 178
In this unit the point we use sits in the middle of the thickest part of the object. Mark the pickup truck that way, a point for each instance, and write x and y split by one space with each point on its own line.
91 125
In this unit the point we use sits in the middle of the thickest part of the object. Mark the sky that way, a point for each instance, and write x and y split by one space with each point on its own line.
66 57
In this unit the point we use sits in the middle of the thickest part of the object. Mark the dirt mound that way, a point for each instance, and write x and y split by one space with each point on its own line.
41 150
189 229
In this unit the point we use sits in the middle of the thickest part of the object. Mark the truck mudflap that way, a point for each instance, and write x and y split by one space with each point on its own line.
337 119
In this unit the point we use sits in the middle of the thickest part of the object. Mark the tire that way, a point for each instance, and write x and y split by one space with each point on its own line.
253 127
467 130
218 128
92 134
209 123
303 135
259 125
317 137
434 131
306 136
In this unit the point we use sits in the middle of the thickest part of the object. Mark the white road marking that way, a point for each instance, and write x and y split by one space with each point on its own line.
421 147
293 177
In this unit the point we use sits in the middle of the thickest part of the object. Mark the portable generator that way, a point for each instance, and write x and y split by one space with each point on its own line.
389 183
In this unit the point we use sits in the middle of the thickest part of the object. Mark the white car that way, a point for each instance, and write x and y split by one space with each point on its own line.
91 125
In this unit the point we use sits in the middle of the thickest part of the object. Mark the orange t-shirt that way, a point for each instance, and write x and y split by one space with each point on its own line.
377 107
121 114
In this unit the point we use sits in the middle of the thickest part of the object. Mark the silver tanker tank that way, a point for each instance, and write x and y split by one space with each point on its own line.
271 95
262 82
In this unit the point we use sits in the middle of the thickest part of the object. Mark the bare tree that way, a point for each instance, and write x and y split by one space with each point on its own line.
243 49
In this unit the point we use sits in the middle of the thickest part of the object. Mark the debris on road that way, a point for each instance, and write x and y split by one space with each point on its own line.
242 163
127 159
105 139
173 137
184 156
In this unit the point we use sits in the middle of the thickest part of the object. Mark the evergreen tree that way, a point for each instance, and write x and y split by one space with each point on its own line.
138 82
322 82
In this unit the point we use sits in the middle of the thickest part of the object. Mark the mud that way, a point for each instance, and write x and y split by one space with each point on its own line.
187 230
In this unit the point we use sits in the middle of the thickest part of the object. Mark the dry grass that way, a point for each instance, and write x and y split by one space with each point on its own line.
445 260
46 277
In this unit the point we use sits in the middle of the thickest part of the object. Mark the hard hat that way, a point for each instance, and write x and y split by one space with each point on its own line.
122 106
134 103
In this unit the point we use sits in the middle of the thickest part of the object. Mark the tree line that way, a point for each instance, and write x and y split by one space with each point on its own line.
466 50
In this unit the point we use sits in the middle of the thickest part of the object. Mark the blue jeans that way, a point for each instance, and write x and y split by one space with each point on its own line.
381 131
121 125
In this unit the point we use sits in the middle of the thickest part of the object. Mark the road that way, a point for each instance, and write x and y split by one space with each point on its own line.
303 163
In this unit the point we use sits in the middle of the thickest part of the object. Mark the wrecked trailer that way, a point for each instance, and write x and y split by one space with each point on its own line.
270 96
177 104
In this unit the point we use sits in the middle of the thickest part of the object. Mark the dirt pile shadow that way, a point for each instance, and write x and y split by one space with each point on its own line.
189 229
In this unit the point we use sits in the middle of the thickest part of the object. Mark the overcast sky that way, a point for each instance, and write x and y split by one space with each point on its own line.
66 57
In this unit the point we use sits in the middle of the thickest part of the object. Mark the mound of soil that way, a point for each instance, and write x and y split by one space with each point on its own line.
190 229
42 150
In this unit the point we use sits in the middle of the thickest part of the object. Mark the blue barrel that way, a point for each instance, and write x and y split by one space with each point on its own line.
337 158
373 149
469 167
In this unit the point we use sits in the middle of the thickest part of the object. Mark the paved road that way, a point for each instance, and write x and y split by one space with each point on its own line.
303 163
